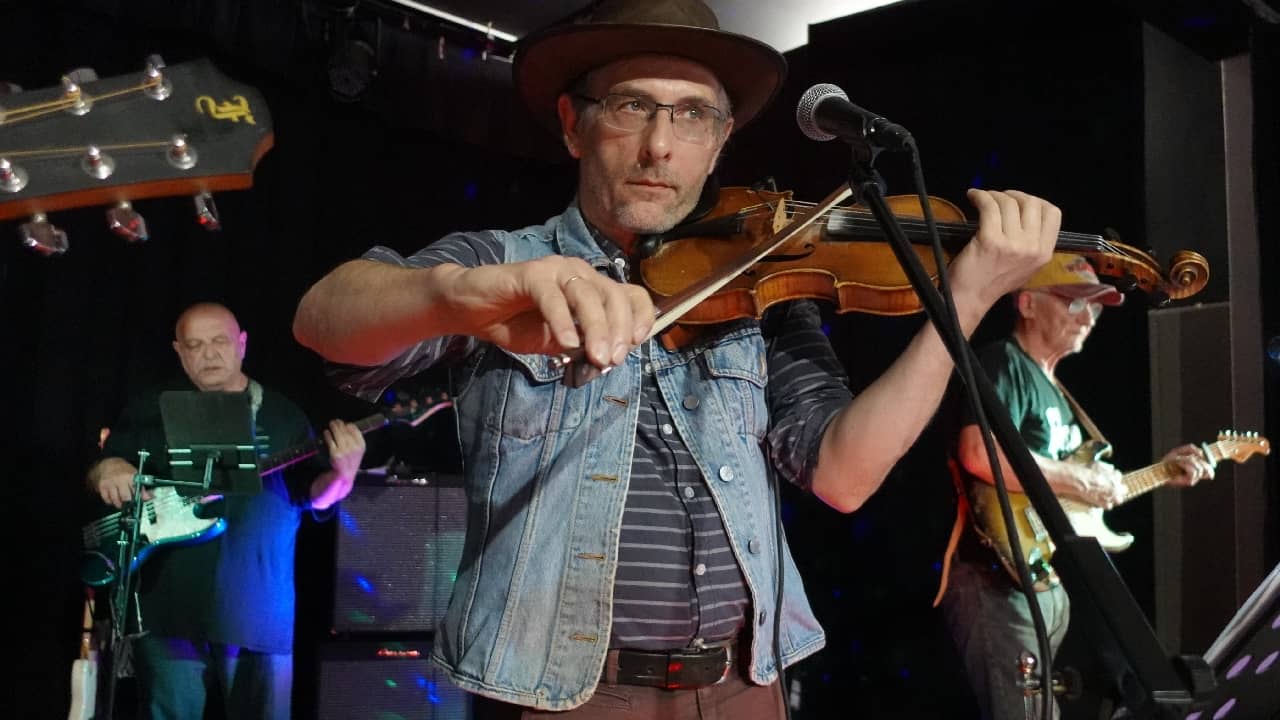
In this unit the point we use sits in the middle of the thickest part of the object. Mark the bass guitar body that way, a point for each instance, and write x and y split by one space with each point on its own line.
167 519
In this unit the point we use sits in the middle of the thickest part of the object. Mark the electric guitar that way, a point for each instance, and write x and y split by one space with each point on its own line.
169 518
1086 520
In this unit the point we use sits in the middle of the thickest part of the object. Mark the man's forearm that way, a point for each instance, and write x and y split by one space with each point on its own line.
366 313
330 487
877 428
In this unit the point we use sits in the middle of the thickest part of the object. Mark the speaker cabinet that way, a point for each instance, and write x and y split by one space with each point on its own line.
398 544
385 679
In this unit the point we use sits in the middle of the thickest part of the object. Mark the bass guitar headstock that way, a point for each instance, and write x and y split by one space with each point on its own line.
162 132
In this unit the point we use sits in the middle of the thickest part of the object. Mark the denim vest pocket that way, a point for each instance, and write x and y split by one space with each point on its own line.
738 367
533 382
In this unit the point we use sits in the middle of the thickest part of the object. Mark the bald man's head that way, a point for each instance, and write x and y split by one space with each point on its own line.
211 346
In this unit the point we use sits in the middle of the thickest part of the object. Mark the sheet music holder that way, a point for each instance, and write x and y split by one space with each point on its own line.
211 442
1246 660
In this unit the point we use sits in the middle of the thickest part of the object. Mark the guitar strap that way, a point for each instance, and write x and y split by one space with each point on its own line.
255 398
1081 416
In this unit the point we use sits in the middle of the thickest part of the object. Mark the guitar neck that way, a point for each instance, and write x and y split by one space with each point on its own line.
1141 482
298 453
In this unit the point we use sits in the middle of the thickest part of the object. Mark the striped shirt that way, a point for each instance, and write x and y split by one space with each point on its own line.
677 580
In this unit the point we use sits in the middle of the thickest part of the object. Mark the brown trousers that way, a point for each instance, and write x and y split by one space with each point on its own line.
734 698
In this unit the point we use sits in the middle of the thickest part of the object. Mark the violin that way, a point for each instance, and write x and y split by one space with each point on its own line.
753 248
842 256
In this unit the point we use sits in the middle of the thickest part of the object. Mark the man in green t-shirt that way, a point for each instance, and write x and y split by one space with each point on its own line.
988 615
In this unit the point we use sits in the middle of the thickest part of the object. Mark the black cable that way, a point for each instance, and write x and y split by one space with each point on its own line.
941 310
779 537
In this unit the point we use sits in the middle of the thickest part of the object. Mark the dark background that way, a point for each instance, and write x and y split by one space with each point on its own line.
1042 97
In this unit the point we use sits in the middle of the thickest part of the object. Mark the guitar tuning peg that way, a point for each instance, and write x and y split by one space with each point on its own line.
207 212
128 223
43 236
12 177
72 92
181 154
157 86
97 163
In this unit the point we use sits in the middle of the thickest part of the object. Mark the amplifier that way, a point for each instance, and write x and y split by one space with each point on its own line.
399 540
385 679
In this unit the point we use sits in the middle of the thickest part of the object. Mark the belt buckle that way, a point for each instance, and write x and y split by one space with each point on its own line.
698 668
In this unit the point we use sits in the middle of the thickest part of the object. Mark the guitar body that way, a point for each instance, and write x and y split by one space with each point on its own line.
167 519
1033 536
1089 521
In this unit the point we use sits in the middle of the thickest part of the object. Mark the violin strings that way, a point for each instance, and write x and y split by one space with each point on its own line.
864 220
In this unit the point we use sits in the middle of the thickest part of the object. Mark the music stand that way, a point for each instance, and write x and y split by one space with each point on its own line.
1246 660
211 442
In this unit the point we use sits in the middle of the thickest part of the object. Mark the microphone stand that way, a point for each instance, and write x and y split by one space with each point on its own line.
126 549
1140 675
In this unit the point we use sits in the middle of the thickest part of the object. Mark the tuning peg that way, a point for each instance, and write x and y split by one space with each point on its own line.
80 104
181 154
207 212
157 86
97 163
43 236
127 223
12 177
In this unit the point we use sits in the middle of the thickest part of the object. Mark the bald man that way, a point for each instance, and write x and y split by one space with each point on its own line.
219 615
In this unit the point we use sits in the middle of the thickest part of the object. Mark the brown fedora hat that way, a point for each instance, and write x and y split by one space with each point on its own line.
548 61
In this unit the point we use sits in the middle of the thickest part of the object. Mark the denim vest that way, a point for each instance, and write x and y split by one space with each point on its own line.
548 468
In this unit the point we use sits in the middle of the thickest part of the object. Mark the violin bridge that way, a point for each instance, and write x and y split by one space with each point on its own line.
780 215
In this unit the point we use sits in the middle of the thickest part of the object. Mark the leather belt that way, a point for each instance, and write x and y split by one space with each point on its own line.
671 669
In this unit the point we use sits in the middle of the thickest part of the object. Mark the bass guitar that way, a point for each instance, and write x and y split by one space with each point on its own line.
1086 520
169 518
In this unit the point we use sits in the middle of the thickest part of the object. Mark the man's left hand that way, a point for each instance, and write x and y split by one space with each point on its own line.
346 447
1191 465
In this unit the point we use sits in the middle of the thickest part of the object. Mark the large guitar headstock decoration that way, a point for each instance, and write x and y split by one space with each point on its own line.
165 131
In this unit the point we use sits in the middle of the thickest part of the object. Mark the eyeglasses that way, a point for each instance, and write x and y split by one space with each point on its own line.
1077 305
691 122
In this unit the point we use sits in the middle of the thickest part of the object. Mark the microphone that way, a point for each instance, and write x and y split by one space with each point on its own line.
825 113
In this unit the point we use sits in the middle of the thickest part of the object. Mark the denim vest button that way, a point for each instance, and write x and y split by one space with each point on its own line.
667 429
542 692
726 473
700 569
753 546
688 492
762 617
690 402
647 368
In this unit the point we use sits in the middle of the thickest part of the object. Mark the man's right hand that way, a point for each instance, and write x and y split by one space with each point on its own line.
548 306
1099 484
112 480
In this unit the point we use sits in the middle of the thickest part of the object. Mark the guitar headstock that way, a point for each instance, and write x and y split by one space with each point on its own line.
1240 446
164 131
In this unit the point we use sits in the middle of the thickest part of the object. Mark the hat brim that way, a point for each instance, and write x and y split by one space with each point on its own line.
547 62
1104 294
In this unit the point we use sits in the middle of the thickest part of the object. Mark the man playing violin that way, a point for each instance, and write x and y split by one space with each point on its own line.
622 543
987 613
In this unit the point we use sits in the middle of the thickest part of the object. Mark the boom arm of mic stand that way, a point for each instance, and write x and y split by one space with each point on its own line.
1143 678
